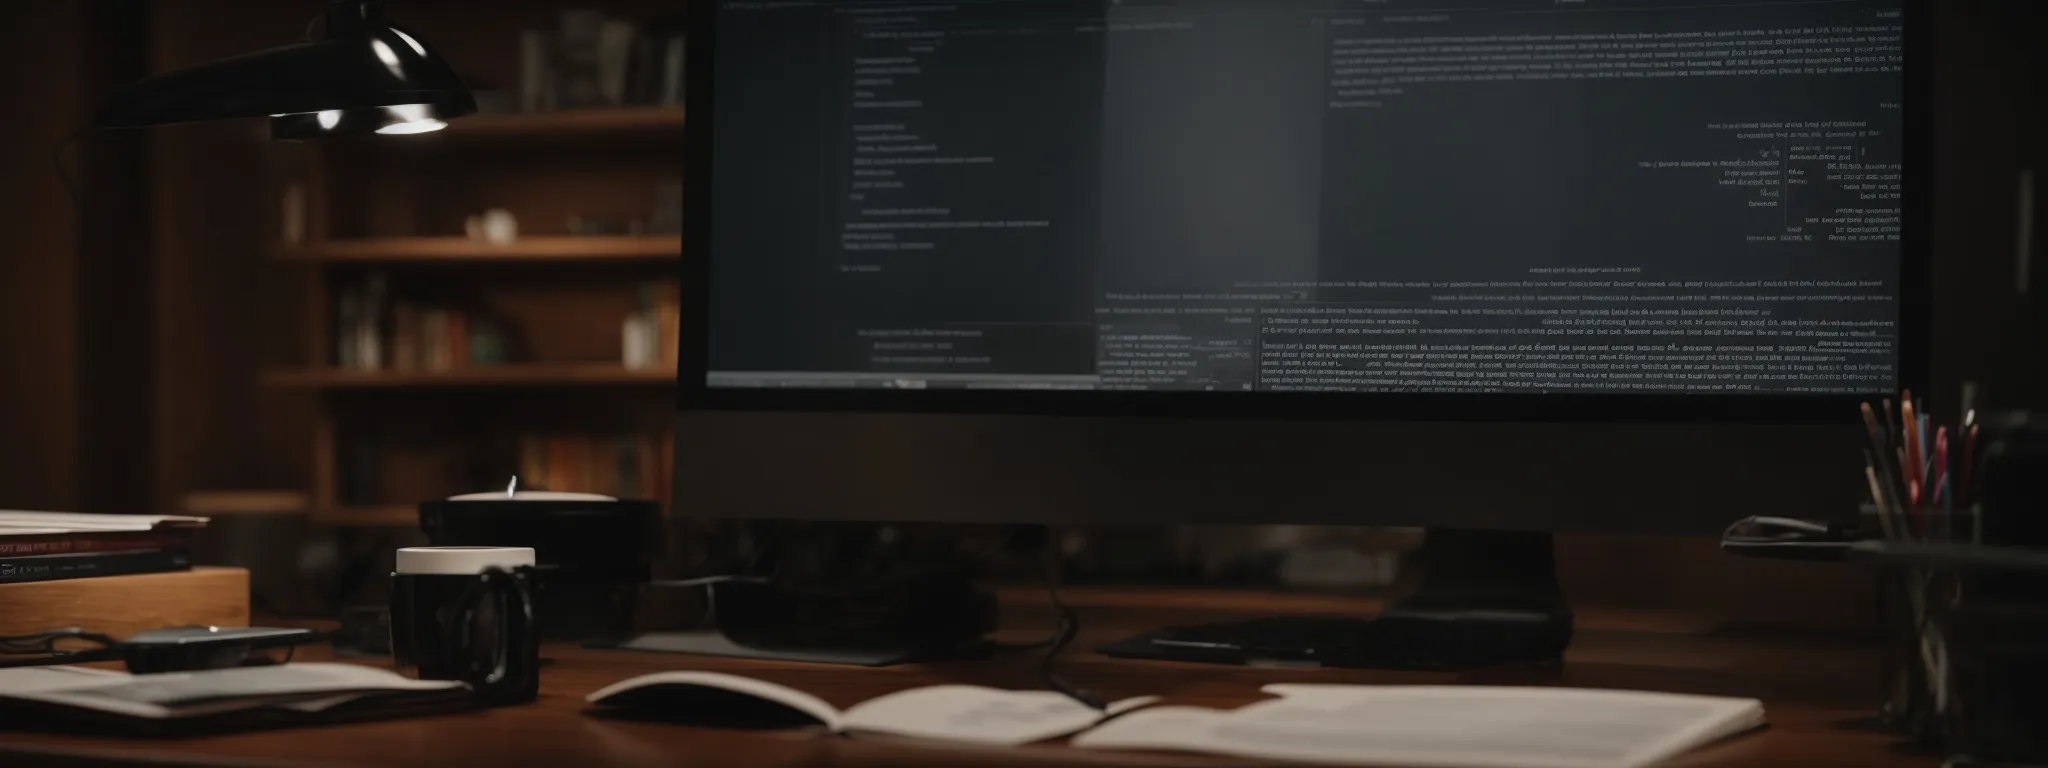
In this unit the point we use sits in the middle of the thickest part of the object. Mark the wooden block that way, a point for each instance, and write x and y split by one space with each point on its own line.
120 606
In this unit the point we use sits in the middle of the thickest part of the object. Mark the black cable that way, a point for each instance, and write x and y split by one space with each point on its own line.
78 657
1070 625
46 642
43 645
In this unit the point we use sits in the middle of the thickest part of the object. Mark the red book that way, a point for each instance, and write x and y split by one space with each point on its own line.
79 542
458 339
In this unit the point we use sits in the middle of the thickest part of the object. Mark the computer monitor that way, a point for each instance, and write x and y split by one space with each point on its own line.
1529 265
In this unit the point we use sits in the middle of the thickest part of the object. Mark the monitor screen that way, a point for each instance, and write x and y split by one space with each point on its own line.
1532 197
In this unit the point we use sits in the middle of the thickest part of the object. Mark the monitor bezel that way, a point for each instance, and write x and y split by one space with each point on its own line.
1915 319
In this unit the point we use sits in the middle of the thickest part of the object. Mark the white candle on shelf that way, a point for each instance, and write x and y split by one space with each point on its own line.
531 496
512 493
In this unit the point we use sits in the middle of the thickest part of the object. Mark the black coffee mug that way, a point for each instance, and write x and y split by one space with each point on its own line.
466 613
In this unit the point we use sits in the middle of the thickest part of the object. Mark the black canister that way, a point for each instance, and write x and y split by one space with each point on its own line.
592 553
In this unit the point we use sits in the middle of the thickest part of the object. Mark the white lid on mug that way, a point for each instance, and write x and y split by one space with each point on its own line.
461 561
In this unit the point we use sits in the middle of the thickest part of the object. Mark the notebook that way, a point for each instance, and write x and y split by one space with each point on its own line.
99 701
1441 726
960 713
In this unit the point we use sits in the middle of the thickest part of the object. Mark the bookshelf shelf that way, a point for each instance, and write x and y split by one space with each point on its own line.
381 516
651 248
606 122
529 375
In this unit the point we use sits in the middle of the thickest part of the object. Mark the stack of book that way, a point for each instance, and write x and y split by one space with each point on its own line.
375 333
596 60
654 331
49 546
443 339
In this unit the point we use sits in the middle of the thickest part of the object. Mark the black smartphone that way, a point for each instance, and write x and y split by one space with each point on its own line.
186 649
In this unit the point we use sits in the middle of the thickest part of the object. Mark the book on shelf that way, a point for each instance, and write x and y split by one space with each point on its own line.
348 317
454 339
592 59
625 465
652 333
375 333
405 337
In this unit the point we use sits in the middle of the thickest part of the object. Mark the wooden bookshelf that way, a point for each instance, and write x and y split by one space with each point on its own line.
379 516
651 248
515 375
527 337
605 122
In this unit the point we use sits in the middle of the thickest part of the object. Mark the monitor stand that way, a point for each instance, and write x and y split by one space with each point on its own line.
1485 599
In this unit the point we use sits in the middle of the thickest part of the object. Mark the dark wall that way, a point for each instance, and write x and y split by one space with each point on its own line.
71 275
1986 80
221 305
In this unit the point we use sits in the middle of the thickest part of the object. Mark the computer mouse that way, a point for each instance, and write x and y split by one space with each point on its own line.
712 700
1777 529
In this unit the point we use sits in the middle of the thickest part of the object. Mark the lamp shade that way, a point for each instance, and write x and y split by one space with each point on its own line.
364 75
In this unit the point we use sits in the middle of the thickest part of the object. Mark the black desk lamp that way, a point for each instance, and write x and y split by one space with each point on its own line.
363 76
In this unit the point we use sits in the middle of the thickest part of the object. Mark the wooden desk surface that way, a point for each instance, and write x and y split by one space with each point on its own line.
1818 695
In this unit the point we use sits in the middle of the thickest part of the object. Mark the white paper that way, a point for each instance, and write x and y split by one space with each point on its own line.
19 523
978 715
760 689
1467 726
184 694
54 678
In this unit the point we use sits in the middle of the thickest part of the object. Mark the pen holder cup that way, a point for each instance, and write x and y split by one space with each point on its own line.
1909 707
1966 660
1998 677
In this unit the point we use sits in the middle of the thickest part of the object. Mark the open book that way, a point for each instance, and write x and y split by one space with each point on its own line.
962 713
64 697
1464 726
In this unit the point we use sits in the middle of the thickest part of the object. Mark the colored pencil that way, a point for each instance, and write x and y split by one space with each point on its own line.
1911 437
